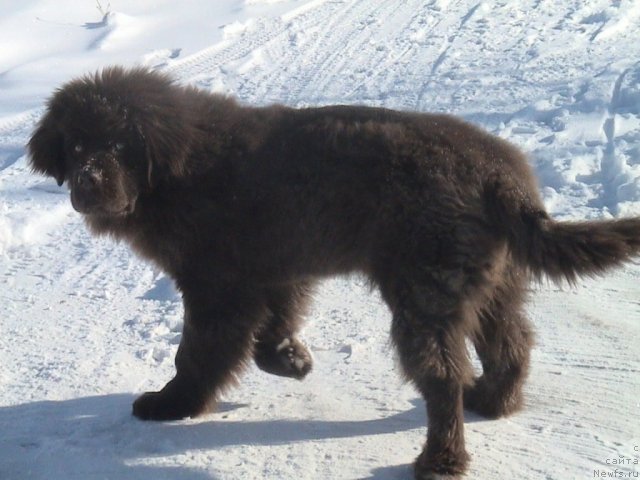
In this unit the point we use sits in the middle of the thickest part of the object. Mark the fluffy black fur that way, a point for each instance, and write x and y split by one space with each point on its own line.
247 207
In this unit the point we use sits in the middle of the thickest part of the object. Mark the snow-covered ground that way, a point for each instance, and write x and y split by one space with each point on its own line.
85 325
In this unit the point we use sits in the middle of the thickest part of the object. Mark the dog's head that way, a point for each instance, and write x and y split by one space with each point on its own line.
112 137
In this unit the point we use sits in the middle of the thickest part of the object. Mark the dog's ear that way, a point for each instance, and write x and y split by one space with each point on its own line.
46 149
166 133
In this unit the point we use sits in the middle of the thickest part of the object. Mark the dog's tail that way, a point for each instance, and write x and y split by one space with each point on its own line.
560 250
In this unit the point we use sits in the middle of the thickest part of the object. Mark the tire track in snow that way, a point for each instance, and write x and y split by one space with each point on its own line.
324 46
467 16
349 31
445 52
14 131
204 65
326 20
320 50
388 45
218 55
394 48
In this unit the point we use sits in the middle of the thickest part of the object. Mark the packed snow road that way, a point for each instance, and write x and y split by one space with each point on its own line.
85 325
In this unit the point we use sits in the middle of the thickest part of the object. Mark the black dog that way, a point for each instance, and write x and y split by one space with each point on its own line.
246 207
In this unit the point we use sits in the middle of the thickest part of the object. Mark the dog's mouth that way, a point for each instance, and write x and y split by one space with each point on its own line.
90 205
99 192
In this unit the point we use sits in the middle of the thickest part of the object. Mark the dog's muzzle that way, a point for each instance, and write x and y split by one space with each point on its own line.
86 189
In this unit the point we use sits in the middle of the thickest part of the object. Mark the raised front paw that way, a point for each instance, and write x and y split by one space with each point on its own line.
493 400
289 358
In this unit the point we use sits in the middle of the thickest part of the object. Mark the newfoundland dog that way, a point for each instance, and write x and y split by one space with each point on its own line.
246 208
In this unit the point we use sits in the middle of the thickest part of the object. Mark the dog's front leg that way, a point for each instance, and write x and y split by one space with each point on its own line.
216 343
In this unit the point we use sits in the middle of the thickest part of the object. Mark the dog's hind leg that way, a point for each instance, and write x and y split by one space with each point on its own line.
503 345
277 350
428 330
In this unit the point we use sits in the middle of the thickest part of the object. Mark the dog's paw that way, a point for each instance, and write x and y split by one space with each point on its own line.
167 404
154 406
490 401
437 476
443 466
289 358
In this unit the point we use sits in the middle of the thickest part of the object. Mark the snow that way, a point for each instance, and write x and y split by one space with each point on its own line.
85 325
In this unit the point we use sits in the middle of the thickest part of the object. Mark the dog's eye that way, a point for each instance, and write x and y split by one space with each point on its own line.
77 148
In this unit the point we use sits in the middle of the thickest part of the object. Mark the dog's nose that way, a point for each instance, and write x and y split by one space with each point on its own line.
88 179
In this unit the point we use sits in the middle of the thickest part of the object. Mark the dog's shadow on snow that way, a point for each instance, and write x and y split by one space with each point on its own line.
85 437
